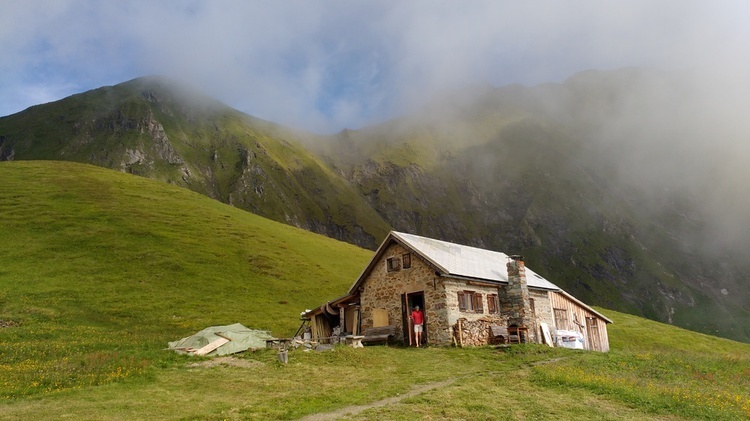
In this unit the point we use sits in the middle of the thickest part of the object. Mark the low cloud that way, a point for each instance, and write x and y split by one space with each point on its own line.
336 64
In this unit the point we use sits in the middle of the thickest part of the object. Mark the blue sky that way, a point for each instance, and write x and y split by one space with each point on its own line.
328 65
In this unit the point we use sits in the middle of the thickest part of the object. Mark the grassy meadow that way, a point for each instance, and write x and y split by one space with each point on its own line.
99 270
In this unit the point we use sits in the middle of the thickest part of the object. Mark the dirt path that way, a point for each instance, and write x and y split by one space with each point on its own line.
356 409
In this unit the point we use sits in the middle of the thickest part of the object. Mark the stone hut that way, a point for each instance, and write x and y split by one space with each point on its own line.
470 296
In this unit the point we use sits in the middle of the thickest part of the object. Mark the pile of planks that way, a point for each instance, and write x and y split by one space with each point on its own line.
319 328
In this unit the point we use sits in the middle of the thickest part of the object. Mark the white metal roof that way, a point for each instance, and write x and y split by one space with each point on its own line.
471 262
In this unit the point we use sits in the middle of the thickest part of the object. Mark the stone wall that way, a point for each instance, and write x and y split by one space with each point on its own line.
518 309
452 288
383 289
476 326
542 307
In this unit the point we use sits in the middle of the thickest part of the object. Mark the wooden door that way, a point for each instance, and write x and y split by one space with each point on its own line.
405 319
592 331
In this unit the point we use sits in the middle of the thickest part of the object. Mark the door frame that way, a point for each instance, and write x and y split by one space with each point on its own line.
408 301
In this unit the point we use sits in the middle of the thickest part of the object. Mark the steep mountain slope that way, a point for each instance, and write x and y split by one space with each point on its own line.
623 187
98 248
100 269
547 171
154 128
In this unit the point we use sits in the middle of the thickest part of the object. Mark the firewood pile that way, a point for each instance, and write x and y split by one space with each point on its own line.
472 333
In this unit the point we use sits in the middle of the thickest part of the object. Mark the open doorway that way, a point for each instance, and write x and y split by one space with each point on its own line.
408 302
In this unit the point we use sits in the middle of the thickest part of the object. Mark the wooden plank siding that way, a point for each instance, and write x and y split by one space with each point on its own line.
591 325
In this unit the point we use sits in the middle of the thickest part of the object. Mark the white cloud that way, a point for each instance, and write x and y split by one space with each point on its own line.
334 64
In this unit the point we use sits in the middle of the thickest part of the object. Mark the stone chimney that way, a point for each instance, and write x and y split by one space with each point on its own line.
517 292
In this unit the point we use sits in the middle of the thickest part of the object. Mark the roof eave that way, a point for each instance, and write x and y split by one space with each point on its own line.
581 303
493 281
334 302
392 236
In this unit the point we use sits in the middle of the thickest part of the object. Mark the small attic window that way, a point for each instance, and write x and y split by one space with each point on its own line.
406 259
393 264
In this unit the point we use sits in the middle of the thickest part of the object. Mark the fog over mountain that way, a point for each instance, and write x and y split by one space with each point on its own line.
687 134
606 138
336 64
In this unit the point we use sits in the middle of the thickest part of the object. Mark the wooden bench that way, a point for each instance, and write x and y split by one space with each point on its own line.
379 334
499 333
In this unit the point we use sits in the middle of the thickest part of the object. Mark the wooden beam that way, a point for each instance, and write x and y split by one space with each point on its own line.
211 346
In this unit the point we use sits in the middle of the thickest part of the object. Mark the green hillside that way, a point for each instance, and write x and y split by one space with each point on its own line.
111 258
99 270
159 129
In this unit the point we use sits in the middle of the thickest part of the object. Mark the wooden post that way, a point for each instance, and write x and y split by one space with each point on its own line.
406 307
342 319
357 320
460 334
410 329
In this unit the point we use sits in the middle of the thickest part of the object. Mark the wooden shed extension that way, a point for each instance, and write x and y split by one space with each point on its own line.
571 314
342 312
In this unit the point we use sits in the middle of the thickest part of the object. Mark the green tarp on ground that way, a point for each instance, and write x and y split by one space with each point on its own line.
240 338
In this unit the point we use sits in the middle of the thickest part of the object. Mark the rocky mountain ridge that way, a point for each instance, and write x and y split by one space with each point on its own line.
545 171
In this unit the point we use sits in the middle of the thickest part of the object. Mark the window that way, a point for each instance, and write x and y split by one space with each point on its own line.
406 259
465 300
561 319
493 304
393 264
470 301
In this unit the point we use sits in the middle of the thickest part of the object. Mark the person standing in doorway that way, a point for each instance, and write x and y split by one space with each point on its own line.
417 318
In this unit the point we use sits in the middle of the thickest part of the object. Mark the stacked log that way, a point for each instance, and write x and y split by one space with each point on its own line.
473 333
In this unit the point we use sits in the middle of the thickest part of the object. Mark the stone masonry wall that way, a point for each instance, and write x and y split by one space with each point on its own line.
518 308
452 287
542 307
383 289
474 325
